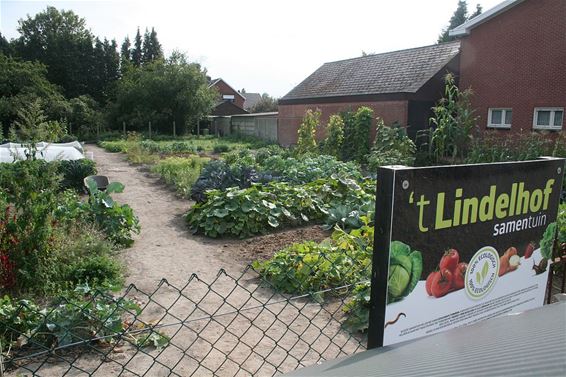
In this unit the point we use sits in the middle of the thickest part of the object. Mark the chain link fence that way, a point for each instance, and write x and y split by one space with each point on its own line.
229 326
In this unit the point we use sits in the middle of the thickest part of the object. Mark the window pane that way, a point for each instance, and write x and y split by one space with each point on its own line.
508 116
558 117
543 118
496 116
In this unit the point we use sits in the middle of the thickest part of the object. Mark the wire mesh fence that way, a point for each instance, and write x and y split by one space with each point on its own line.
228 326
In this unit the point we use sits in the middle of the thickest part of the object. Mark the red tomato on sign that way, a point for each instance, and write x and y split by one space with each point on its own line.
441 283
449 260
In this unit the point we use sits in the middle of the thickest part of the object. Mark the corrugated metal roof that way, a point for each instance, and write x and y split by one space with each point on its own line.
404 71
532 343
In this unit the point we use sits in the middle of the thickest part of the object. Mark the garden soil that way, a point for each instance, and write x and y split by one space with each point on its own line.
236 321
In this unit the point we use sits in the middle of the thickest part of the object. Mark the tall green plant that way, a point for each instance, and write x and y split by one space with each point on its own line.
348 145
334 136
392 146
307 132
362 121
453 120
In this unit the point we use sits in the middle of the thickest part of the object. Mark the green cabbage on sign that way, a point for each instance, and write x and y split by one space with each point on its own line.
405 269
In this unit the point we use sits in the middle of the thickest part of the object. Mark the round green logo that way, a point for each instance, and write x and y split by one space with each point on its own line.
482 272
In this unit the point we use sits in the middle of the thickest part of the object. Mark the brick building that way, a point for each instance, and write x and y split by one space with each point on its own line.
514 58
400 86
227 94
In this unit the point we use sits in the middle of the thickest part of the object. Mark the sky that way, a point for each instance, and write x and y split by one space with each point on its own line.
260 45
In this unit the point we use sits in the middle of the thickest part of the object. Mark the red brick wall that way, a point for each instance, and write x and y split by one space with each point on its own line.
517 60
223 88
290 116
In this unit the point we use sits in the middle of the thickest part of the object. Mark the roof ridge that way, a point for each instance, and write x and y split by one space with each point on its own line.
391 52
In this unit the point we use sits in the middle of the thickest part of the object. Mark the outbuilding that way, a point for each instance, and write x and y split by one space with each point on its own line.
400 87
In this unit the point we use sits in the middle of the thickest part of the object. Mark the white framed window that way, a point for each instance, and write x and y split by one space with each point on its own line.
228 97
548 118
499 118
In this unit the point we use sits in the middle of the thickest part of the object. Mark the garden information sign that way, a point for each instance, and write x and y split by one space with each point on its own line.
465 243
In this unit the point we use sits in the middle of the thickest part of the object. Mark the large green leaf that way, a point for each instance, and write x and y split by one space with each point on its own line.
115 187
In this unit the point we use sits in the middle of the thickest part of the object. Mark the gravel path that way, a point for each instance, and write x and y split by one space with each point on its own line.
165 248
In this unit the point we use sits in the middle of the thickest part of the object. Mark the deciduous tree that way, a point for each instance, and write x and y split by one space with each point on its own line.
61 41
163 91
265 104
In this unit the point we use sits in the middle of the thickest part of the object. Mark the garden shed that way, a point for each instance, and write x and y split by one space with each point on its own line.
400 86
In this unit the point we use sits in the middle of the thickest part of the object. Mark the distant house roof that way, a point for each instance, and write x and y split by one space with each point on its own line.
251 100
216 81
404 71
227 108
465 28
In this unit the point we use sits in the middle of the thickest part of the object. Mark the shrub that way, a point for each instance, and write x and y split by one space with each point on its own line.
221 148
45 234
97 270
74 172
182 173
30 188
334 136
307 132
392 146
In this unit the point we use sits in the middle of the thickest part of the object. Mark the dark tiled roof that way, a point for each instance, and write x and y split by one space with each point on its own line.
403 71
251 100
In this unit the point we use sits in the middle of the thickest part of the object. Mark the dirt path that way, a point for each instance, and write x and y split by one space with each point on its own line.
165 248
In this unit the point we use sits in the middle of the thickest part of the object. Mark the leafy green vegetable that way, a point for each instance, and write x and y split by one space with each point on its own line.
547 242
405 269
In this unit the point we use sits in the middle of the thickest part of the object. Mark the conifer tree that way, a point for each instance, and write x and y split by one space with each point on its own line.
146 48
125 54
458 18
477 12
156 50
137 50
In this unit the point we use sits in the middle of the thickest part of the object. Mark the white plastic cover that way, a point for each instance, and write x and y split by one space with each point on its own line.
48 153
74 144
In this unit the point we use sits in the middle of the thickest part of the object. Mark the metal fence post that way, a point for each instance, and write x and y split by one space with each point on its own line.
149 128
174 130
124 128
